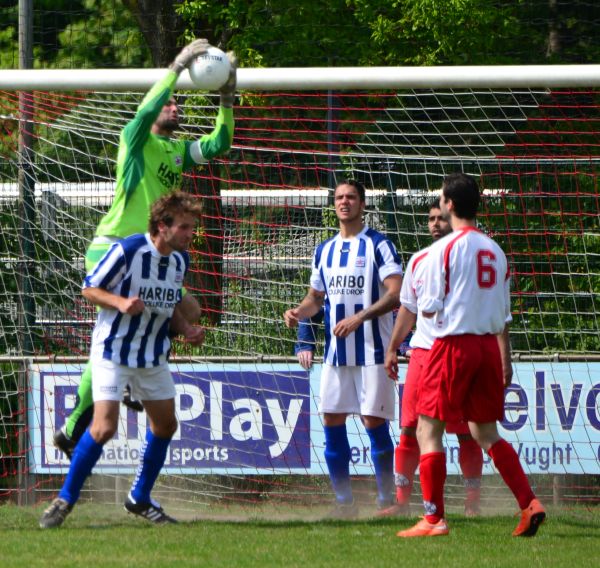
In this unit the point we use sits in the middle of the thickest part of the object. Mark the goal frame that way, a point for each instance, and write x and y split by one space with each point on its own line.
324 79
316 78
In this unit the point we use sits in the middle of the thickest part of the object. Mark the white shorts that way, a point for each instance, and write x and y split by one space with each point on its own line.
109 380
357 390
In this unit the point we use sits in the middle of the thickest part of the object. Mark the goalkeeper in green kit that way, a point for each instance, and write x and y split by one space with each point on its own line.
149 165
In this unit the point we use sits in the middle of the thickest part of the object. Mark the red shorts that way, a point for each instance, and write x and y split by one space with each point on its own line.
458 428
463 380
410 394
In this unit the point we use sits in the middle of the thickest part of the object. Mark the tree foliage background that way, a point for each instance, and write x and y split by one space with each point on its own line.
136 33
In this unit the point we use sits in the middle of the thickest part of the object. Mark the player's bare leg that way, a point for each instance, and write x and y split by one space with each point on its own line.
470 458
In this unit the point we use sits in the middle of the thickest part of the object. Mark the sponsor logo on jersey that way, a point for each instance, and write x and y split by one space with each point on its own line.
360 261
158 297
166 176
178 160
346 284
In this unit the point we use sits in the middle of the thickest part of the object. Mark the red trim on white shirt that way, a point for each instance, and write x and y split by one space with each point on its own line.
414 266
447 250
419 259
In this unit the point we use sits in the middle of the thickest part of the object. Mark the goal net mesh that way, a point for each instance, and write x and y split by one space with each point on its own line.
250 433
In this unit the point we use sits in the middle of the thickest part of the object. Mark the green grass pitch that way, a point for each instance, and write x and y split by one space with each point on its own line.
104 535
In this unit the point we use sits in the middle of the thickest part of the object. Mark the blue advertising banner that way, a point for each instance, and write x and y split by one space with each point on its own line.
263 419
249 418
552 417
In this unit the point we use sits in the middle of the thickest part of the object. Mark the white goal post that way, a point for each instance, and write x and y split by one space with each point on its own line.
317 78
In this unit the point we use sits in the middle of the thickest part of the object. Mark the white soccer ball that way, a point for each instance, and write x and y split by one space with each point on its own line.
210 71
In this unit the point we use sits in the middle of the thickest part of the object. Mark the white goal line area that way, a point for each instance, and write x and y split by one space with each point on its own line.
316 78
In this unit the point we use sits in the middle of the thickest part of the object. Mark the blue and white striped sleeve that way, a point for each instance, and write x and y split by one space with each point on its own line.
390 260
109 271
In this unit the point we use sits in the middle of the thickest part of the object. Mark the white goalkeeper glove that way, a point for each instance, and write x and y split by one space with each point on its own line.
227 91
188 54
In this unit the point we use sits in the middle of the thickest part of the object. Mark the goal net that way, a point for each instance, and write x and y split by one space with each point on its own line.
250 436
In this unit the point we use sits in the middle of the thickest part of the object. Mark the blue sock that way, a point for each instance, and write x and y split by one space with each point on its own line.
86 454
382 455
337 457
154 454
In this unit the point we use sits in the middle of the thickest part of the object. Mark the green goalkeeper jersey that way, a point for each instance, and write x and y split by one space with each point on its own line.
150 166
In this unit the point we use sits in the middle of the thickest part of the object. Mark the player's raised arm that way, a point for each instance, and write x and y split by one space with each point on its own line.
137 131
188 54
219 141
227 91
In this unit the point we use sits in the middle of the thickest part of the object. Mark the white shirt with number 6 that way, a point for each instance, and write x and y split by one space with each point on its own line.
466 285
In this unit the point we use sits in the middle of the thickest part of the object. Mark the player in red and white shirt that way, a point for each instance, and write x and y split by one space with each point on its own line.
466 292
406 460
356 277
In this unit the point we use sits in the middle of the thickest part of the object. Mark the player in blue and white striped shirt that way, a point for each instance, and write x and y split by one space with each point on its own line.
136 285
357 276
132 269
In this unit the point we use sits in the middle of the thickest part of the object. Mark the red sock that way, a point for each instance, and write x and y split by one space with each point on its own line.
507 463
406 460
432 469
470 458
